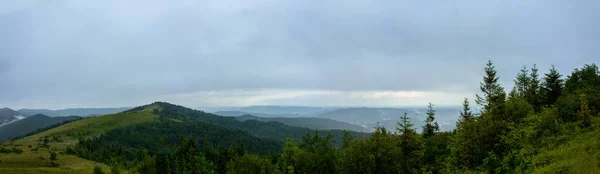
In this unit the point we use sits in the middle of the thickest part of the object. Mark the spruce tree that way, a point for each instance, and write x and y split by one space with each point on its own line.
410 147
493 93
552 87
465 115
463 150
532 93
491 126
430 127
522 82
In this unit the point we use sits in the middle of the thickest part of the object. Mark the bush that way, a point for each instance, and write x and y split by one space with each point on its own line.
98 170
17 151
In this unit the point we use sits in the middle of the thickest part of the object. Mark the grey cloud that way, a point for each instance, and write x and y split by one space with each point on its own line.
101 51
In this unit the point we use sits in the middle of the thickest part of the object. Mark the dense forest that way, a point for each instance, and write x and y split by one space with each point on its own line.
503 135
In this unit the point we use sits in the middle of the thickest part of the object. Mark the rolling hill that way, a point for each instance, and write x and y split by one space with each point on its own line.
307 122
30 124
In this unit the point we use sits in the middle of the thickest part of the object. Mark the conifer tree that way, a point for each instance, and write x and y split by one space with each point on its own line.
464 141
522 82
410 147
466 113
430 127
532 93
493 93
552 87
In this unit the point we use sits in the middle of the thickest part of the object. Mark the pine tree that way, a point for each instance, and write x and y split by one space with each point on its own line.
430 127
410 147
464 148
532 93
522 83
552 87
465 115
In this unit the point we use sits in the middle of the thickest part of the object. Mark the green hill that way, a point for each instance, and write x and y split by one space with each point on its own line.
34 156
126 136
30 124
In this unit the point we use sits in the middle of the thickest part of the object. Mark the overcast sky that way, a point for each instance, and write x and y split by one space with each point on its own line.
109 53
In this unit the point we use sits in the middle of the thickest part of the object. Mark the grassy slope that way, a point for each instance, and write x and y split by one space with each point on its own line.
578 153
29 161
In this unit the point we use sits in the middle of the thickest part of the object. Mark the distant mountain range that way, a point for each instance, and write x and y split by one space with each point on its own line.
84 112
296 111
365 117
387 117
307 122
29 124
8 115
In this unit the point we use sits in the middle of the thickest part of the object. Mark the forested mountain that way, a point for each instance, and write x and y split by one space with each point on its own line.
8 115
308 122
83 112
30 124
545 124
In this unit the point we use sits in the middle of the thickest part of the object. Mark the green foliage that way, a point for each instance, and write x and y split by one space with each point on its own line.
380 153
249 164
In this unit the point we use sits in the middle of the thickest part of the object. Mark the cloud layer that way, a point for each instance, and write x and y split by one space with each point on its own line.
69 53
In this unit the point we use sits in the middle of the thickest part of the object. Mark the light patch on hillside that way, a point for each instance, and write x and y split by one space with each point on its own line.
17 118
